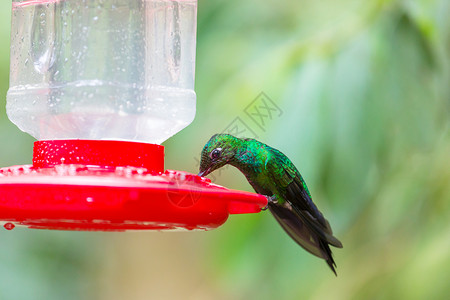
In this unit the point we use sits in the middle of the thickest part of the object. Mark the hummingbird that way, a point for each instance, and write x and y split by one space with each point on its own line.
273 175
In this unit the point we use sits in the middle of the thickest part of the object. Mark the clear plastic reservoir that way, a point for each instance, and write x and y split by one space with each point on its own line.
102 69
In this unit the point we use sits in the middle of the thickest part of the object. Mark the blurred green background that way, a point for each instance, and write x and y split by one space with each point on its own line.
364 93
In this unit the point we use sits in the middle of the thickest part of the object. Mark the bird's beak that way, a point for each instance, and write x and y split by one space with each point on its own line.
205 172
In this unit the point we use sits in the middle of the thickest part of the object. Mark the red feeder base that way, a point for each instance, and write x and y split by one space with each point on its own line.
113 186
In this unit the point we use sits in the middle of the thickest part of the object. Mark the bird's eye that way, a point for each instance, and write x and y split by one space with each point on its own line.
215 154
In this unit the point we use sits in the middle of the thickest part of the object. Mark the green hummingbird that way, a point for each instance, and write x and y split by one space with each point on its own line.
273 175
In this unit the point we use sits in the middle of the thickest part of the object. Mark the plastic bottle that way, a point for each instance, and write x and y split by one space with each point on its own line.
102 69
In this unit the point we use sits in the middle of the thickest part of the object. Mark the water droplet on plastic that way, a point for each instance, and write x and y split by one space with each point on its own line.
89 199
9 226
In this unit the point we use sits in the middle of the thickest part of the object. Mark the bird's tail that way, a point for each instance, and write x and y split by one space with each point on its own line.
306 232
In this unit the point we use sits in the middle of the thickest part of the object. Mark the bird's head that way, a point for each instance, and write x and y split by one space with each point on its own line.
218 151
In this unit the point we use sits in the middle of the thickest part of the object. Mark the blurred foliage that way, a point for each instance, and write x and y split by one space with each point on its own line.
365 94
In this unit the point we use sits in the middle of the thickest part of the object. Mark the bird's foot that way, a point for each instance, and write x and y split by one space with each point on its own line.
270 200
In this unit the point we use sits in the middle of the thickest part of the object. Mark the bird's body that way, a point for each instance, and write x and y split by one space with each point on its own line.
272 174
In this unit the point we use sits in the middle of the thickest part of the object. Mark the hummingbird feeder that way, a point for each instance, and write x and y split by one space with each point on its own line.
100 84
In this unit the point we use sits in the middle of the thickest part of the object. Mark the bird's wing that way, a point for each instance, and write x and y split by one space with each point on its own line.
296 229
293 189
